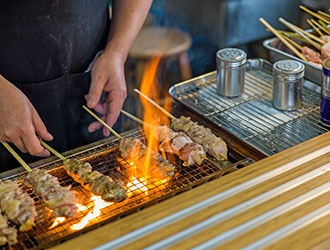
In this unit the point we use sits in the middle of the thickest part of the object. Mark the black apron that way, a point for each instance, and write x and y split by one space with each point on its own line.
45 48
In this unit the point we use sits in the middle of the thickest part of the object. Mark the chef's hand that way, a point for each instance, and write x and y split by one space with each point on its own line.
20 122
107 75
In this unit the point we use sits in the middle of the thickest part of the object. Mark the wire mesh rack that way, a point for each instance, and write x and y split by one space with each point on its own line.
106 159
251 116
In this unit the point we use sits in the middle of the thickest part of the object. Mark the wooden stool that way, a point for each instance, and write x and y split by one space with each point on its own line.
170 43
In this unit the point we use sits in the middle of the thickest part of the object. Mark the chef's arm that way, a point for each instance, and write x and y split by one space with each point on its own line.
108 70
127 20
19 121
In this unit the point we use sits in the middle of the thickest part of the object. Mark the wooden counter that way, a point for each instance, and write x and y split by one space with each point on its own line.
281 202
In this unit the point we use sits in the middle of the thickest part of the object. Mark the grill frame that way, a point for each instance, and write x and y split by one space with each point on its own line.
243 117
43 237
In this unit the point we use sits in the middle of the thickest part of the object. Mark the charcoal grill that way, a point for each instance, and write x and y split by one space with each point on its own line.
105 158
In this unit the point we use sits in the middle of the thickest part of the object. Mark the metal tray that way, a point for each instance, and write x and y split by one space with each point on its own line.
278 51
251 116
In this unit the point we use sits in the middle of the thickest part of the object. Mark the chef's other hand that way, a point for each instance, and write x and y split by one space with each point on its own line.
20 122
107 75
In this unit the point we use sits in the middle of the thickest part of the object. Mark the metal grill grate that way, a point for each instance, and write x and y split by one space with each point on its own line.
251 116
106 159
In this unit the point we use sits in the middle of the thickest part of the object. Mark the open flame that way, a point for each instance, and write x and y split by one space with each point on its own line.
139 176
98 205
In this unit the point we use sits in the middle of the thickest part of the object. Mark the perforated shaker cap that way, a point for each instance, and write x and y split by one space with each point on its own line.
231 57
289 69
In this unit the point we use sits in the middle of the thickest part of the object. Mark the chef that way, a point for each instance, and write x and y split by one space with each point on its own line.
46 50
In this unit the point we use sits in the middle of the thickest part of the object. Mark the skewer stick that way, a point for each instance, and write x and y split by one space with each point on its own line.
314 14
293 42
132 117
292 27
17 157
323 14
156 105
320 26
309 34
52 150
306 33
102 122
276 33
314 27
324 25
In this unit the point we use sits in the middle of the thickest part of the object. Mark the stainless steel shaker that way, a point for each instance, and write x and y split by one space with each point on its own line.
288 84
231 64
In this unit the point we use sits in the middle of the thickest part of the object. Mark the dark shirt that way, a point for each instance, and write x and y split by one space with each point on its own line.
44 39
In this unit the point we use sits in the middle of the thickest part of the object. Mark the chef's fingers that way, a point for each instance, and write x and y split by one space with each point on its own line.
96 89
19 144
40 127
94 126
32 142
116 100
100 107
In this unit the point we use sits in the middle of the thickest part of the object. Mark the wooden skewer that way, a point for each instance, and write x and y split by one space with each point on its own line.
294 36
292 27
17 157
223 156
324 25
320 26
62 157
293 42
276 33
323 14
307 33
102 122
314 27
314 14
156 105
134 118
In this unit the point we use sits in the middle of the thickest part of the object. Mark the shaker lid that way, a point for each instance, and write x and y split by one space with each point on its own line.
231 56
289 68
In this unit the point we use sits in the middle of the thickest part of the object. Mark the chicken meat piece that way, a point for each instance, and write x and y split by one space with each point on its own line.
98 183
325 38
325 51
58 198
7 234
133 150
17 206
311 55
180 144
213 145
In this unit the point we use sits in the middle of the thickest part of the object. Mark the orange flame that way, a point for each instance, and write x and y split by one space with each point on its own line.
98 205
57 221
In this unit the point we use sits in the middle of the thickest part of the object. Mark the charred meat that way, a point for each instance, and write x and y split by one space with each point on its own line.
99 184
58 198
133 150
17 206
7 234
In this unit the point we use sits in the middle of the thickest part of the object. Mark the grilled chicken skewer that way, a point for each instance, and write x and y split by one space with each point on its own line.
98 183
213 145
17 206
7 234
60 199
176 143
134 150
